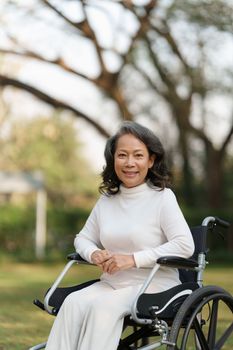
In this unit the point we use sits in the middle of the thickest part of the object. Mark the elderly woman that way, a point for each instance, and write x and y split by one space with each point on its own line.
135 221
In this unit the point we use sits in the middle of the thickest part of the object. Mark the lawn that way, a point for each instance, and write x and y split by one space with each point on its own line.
23 325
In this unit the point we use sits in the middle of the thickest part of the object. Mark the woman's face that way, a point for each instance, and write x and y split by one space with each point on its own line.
132 160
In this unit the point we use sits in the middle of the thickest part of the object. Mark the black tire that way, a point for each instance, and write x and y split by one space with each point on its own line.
189 331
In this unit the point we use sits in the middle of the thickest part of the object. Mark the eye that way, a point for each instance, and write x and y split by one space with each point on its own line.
139 155
121 155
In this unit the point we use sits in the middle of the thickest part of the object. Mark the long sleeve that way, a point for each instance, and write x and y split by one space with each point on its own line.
87 240
144 221
179 241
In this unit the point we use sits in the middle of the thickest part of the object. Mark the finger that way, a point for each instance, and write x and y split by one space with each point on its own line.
98 261
113 269
106 255
101 260
107 265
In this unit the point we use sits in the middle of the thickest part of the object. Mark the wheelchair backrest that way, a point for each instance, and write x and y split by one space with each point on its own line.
199 234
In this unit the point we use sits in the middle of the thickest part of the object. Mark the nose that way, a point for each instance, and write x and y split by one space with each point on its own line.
130 161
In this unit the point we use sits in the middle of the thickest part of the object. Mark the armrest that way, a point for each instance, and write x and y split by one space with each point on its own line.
177 262
74 257
77 257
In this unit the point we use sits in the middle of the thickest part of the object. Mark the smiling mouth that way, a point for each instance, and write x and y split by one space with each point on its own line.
130 174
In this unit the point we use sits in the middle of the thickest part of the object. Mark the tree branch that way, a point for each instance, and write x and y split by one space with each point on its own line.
128 4
5 81
166 34
227 139
76 25
148 79
143 27
164 77
116 92
195 81
199 133
84 27
58 61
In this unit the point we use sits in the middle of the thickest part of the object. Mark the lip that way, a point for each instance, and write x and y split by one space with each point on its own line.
130 173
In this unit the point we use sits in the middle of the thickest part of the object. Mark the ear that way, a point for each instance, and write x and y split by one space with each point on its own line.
152 160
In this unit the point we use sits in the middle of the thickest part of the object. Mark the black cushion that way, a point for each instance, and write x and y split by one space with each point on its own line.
61 293
164 304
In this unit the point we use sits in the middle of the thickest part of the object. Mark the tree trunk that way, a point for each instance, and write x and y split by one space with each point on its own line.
214 177
181 112
188 187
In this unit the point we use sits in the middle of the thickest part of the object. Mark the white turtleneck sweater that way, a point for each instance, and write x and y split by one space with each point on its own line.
142 221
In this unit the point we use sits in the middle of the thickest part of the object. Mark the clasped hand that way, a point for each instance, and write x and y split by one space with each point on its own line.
111 262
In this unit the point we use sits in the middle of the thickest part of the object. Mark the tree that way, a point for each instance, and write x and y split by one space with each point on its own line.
181 79
49 145
106 80
169 52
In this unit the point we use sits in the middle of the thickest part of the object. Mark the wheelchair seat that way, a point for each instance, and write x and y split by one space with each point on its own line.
164 304
61 293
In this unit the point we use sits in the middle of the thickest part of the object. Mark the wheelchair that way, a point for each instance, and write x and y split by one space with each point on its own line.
186 317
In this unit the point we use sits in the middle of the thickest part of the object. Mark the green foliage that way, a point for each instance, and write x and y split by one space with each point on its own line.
220 248
50 145
228 181
17 230
204 13
63 225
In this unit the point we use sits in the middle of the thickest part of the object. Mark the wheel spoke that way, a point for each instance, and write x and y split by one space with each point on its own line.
206 328
221 341
213 324
200 335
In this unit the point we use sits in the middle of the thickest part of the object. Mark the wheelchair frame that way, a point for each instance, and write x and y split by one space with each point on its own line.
194 300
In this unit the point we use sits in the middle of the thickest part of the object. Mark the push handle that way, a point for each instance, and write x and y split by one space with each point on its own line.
221 222
214 220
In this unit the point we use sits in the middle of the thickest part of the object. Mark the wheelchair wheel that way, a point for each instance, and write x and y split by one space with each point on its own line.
204 322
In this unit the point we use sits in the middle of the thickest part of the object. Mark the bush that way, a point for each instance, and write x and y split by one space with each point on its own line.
63 224
17 230
221 239
17 226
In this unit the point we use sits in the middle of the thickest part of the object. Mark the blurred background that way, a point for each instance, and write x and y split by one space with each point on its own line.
71 71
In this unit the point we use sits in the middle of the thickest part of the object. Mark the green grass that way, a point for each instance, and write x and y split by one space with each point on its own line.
23 325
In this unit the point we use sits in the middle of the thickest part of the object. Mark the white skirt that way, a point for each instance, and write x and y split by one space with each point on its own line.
92 318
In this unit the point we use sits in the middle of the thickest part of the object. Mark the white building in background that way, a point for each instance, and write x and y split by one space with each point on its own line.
24 182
